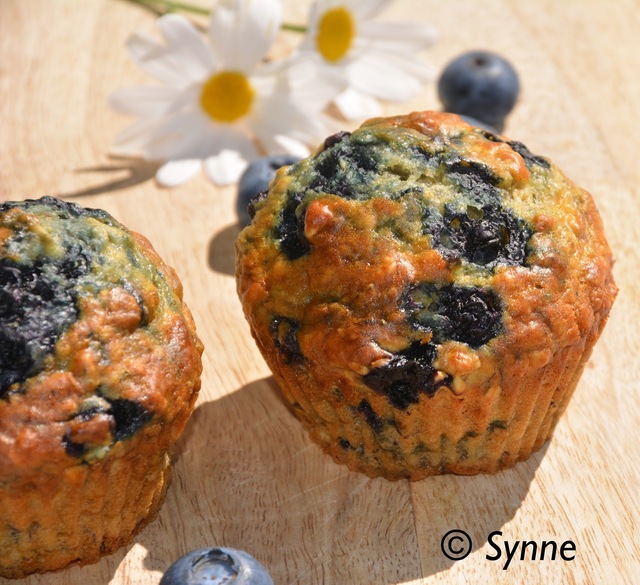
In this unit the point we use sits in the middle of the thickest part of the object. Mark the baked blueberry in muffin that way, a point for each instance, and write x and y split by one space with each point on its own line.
426 294
99 371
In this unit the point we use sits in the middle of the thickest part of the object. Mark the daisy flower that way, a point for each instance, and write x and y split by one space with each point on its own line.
218 106
376 59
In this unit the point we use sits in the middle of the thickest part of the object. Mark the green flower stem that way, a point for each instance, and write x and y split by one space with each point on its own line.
172 6
299 28
164 6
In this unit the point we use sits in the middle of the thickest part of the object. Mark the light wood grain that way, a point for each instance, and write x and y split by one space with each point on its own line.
246 475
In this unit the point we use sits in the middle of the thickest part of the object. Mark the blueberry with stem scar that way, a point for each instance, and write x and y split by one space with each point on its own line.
480 84
223 566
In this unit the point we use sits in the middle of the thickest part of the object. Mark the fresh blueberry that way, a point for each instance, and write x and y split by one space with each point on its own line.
480 84
256 178
216 566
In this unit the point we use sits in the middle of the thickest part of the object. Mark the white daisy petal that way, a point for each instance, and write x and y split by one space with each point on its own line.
156 60
264 128
201 118
134 139
241 31
141 45
408 64
184 38
290 145
183 60
229 153
379 59
225 167
146 102
166 65
176 172
365 9
188 99
279 115
317 10
313 83
182 135
397 37
230 138
354 105
385 77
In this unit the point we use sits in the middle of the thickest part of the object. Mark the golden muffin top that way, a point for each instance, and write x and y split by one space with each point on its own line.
415 251
95 342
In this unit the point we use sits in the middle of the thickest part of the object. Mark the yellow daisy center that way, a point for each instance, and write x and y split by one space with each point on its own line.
336 31
227 96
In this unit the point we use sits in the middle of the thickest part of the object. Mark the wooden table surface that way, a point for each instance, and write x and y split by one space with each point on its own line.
246 475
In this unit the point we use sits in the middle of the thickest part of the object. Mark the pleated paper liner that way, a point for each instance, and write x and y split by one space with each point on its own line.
85 513
482 430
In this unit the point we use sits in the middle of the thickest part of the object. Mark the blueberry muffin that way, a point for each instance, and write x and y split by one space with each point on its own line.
426 294
100 369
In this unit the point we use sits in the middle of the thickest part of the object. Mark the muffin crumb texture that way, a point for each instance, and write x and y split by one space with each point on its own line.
99 371
426 294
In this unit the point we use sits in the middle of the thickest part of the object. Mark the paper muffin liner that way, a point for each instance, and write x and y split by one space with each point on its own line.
86 512
107 370
434 324
482 430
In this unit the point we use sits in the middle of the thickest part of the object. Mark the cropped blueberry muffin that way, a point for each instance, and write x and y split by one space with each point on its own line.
99 371
426 294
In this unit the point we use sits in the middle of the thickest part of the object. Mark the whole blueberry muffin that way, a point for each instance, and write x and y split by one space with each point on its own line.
99 371
426 294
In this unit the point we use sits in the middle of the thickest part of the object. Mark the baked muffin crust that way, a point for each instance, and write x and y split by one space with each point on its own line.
426 294
100 371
